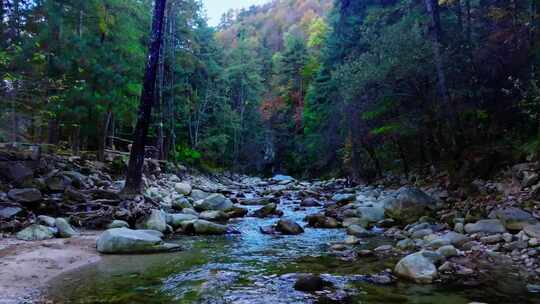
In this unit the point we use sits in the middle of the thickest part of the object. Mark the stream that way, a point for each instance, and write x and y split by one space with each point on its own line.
252 267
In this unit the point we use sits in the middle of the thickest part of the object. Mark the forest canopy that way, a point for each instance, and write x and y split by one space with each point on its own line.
306 87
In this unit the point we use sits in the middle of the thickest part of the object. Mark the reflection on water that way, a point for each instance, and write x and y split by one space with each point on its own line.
253 267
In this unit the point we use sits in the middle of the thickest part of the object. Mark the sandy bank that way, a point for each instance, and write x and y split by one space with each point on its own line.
27 267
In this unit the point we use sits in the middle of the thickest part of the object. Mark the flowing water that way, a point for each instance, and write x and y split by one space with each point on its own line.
255 268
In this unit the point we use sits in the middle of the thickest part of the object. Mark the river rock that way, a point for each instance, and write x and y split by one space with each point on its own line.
213 215
25 195
176 219
206 227
214 201
58 182
514 218
486 226
322 221
309 283
370 215
309 202
118 224
447 251
64 228
76 178
15 172
359 231
532 231
125 241
181 203
417 267
409 204
286 226
155 221
236 212
352 221
197 194
448 238
406 244
269 229
8 212
46 220
344 197
282 178
265 211
36 232
183 188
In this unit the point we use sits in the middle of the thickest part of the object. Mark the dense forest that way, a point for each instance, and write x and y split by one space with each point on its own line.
306 87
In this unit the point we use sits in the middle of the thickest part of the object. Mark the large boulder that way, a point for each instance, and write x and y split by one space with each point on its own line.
36 232
64 228
183 188
409 204
514 218
418 267
25 195
206 227
289 227
124 241
486 226
215 201
155 221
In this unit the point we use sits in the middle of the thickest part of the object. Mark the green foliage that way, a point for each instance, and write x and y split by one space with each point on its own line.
184 154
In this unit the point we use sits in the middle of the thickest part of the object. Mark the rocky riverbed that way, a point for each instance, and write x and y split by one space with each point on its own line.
195 238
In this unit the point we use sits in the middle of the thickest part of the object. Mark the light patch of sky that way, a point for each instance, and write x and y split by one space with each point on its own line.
216 8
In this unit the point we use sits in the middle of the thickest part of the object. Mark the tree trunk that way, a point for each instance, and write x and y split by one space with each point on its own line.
136 159
435 30
104 133
52 133
75 139
403 157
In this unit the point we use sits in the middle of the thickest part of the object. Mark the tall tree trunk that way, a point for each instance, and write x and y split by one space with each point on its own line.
75 139
104 133
136 159
432 7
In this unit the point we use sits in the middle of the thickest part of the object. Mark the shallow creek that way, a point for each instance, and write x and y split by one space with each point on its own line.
255 268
